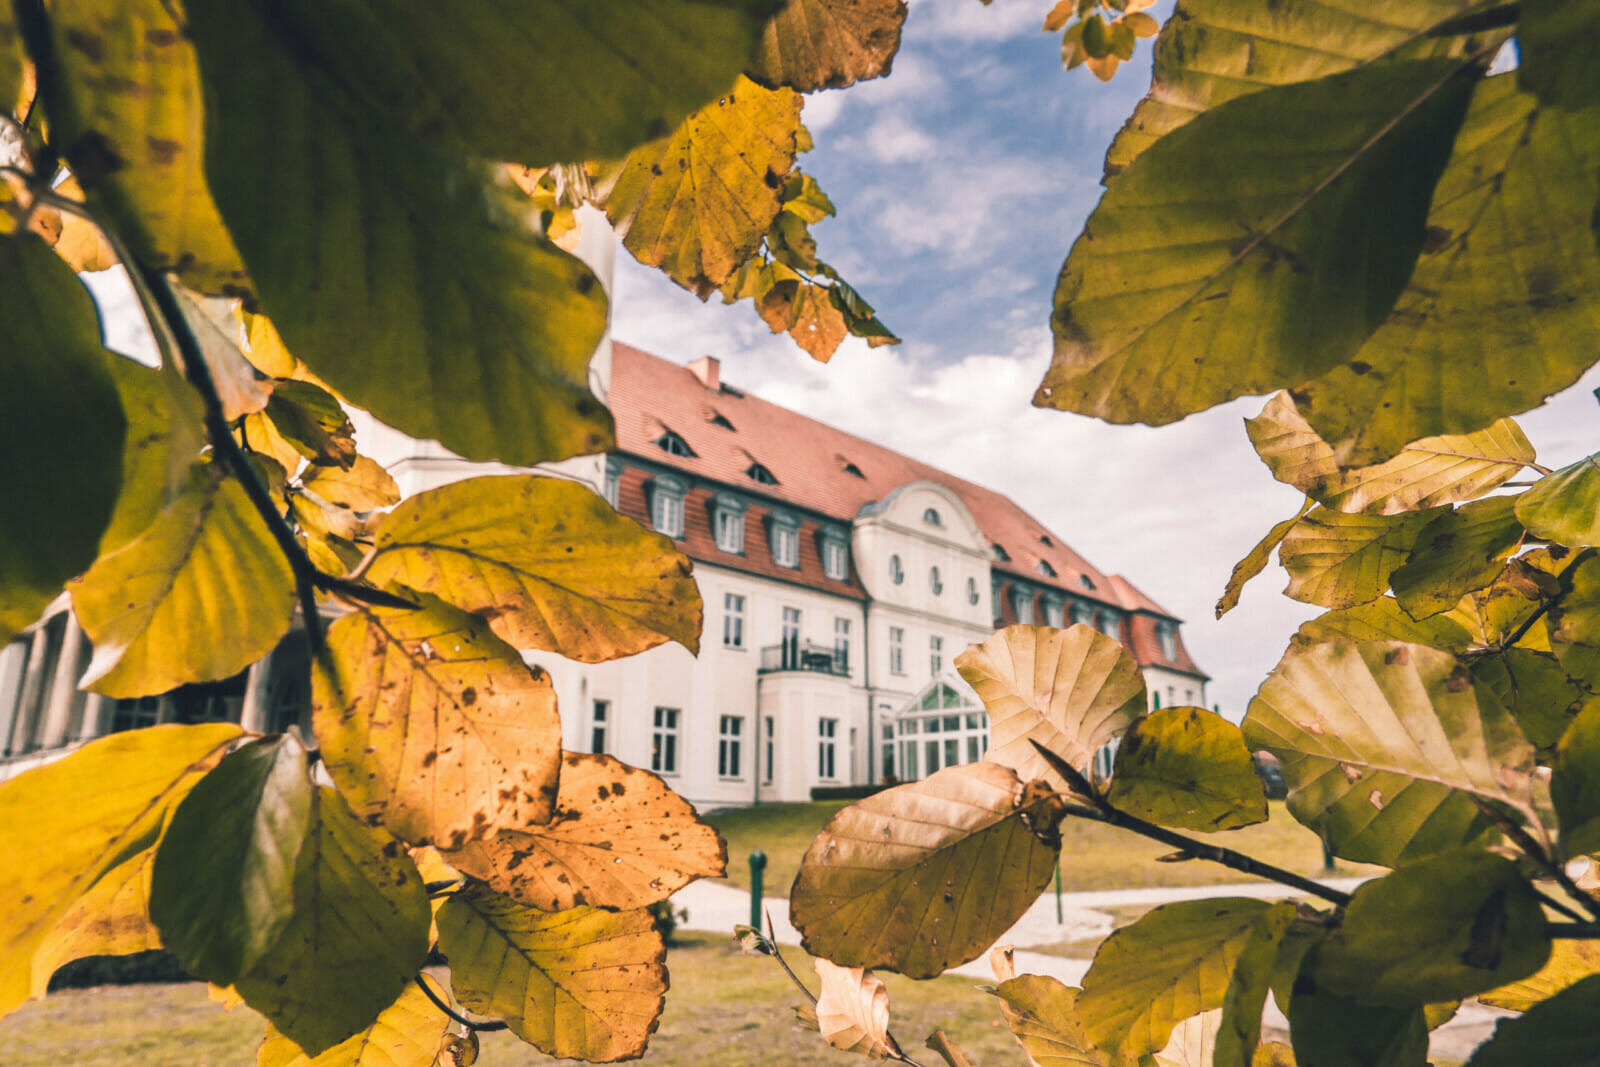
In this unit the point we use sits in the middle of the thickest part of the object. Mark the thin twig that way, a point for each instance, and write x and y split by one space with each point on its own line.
1536 852
772 939
497 1024
1555 905
436 890
1574 931
1102 811
230 454
1527 624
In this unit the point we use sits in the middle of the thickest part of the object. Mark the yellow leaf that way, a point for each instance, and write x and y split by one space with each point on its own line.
924 876
1569 961
1043 1018
225 995
697 203
126 102
1070 690
619 838
1255 560
152 610
583 983
430 722
808 313
1187 768
1339 560
111 919
362 487
407 1033
853 1011
828 44
63 826
547 562
1193 1042
81 243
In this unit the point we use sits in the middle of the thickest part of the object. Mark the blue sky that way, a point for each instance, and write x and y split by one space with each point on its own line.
961 181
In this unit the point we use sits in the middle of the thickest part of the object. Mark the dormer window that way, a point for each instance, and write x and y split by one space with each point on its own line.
1001 554
1167 634
758 473
1045 569
931 517
673 445
719 419
855 471
1044 539
1085 581
835 555
783 532
666 505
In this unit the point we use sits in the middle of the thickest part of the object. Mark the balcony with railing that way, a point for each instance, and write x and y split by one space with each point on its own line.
797 655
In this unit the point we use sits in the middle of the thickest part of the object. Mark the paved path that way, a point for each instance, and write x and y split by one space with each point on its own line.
718 908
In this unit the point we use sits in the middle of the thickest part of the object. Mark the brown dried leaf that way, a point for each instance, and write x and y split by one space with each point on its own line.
853 1011
828 44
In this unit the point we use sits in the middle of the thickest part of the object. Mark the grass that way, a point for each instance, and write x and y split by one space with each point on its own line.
723 1008
1093 855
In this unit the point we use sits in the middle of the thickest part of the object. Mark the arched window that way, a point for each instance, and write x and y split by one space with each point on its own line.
931 517
897 573
935 582
972 591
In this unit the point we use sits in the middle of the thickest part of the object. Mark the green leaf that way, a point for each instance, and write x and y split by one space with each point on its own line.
1246 998
606 75
1255 560
434 725
1217 50
152 607
1070 690
1172 963
412 281
828 44
925 876
1187 768
1382 620
1558 1030
584 983
1574 619
1536 689
61 430
1569 961
357 935
697 203
66 824
619 838
1043 1018
547 562
1575 782
1555 61
1430 472
1448 927
1227 261
1387 747
12 60
1500 311
1332 1031
1340 560
408 1033
223 885
1565 506
1459 552
310 419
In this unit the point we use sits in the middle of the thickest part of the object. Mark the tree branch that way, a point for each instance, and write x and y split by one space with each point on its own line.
1102 811
1535 852
772 939
497 1024
1574 931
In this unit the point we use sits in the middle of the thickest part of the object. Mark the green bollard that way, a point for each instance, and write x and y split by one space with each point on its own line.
1059 917
758 863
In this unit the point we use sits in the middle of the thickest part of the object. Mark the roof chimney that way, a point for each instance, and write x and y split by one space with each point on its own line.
709 370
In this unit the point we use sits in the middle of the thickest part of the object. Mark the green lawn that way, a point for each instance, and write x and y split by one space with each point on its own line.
1093 855
723 1008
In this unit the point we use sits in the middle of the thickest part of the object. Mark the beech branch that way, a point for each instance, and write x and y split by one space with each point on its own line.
1100 810
497 1024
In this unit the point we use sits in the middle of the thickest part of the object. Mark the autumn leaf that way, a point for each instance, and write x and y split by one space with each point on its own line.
1187 768
1340 560
924 876
619 838
1459 552
1070 690
1042 1014
1565 506
828 44
433 724
111 919
853 1011
407 1033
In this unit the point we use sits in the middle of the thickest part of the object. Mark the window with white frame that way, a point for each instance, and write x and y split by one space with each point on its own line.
664 737
897 572
666 505
897 650
613 482
835 557
1054 613
730 739
931 517
785 538
841 644
935 583
1044 568
599 724
1022 604
935 654
732 620
1082 613
972 591
728 523
768 730
1167 634
827 729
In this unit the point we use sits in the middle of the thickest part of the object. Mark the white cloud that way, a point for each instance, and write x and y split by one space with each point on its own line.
893 138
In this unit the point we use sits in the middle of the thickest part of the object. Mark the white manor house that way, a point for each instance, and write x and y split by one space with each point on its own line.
840 581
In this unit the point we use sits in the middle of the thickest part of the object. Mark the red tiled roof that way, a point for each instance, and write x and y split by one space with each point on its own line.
650 395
